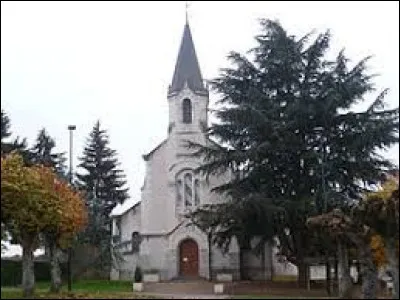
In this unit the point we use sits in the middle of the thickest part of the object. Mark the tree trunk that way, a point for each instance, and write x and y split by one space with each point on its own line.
369 271
370 282
243 266
358 268
263 263
393 262
328 277
344 280
28 269
335 281
303 274
55 270
210 269
271 260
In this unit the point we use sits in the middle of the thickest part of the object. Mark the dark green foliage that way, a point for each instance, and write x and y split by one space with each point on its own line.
102 181
138 274
289 134
242 219
5 126
14 145
11 272
42 153
104 186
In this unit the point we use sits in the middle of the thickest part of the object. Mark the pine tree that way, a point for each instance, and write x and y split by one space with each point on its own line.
14 145
42 154
104 186
288 132
103 182
5 126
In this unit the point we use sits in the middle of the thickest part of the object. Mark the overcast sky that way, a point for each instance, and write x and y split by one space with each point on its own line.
75 62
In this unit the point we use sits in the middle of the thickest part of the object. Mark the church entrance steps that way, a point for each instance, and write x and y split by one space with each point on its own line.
187 296
179 286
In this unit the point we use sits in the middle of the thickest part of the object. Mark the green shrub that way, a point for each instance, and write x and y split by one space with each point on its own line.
138 274
11 272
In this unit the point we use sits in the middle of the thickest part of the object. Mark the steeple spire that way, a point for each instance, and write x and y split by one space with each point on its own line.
187 70
186 11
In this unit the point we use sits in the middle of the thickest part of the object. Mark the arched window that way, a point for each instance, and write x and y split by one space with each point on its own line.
187 190
179 197
136 240
196 192
187 111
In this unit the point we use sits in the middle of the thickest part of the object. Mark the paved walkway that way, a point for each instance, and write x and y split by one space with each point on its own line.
183 290
187 296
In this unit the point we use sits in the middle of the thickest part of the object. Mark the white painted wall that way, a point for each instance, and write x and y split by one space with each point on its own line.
130 222
199 111
153 201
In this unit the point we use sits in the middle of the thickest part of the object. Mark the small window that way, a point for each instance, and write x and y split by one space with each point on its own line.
118 225
179 193
196 192
187 111
136 240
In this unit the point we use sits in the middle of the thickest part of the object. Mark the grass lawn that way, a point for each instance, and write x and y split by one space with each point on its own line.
85 289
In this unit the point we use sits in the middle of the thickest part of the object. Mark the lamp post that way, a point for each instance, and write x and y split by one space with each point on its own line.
71 128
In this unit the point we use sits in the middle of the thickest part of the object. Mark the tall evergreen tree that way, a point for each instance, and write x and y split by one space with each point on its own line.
42 153
102 181
5 126
104 186
287 130
16 144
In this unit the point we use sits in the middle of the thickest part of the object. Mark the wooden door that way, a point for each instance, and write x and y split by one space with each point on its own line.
189 258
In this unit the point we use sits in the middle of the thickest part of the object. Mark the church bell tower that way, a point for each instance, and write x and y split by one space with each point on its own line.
187 95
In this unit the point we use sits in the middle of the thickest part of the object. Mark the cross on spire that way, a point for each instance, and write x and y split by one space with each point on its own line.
186 11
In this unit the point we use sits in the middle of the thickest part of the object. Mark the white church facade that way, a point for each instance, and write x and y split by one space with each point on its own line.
153 233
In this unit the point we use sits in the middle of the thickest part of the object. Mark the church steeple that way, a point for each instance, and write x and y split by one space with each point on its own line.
187 70
187 95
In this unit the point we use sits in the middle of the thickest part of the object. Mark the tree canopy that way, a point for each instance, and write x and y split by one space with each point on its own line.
289 132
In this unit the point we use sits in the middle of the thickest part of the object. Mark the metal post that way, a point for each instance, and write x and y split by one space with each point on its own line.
71 128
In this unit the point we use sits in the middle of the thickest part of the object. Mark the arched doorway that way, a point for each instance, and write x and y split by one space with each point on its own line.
188 258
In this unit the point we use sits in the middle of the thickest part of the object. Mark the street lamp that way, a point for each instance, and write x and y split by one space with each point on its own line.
71 128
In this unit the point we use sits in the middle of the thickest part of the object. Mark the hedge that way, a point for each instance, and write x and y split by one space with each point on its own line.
11 272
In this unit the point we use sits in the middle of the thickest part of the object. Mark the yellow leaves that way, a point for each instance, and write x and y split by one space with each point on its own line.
381 213
385 192
377 245
35 200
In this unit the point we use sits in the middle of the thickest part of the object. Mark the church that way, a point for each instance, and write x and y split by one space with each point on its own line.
153 233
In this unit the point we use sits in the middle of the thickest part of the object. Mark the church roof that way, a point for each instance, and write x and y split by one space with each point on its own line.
187 68
147 156
121 209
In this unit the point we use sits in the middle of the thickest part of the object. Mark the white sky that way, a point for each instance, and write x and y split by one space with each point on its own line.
75 62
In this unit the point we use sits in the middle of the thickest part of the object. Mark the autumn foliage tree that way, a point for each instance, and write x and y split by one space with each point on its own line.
373 227
380 211
348 230
33 201
72 217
